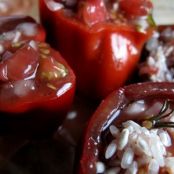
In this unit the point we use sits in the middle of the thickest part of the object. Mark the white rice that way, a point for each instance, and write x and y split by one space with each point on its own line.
54 6
160 51
111 149
139 147
100 167
23 87
123 140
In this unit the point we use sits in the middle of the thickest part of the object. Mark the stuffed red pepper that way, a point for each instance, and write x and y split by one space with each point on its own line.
35 81
33 75
132 132
101 40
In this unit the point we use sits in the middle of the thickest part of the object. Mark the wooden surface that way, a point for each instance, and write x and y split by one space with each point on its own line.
164 11
34 11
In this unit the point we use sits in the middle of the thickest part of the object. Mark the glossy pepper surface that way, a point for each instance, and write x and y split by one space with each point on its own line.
146 106
102 41
36 83
33 75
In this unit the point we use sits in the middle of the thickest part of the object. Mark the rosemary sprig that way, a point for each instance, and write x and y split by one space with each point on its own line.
156 121
164 125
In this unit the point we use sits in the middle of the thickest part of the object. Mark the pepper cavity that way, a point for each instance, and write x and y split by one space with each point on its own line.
142 144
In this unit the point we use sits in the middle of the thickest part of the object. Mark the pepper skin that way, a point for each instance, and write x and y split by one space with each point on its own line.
102 46
110 111
36 84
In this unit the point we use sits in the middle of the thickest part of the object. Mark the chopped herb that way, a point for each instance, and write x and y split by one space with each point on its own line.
151 21
49 85
43 56
139 28
45 51
17 44
43 45
61 69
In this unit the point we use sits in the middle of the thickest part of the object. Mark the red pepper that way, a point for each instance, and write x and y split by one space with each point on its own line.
33 75
115 110
35 81
36 88
102 43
